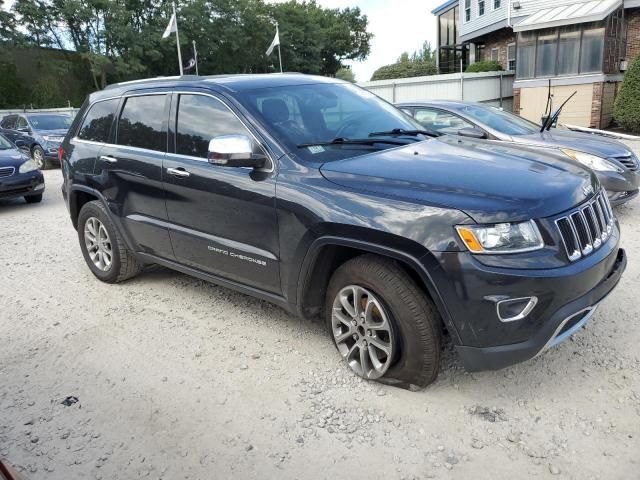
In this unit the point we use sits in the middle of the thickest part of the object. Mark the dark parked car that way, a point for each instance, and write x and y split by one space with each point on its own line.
21 140
19 175
48 130
613 162
318 196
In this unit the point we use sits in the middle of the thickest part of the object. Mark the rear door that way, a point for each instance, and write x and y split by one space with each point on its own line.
222 219
130 171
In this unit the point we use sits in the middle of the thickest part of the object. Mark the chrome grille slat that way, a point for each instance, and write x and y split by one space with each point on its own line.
7 171
628 161
587 228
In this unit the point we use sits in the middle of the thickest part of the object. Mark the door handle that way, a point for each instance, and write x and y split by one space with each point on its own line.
178 172
108 159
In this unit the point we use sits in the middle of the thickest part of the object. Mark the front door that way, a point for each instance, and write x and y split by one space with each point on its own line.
222 220
130 172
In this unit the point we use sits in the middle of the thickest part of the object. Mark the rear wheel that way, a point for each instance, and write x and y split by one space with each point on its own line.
383 325
102 247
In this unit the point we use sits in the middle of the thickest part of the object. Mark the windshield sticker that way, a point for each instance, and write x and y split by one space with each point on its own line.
316 149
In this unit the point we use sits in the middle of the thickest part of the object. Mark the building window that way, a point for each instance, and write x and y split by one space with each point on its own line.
495 54
511 56
592 50
496 4
480 8
546 55
467 10
569 52
565 51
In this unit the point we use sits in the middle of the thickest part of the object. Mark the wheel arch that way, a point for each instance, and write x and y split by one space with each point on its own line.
326 254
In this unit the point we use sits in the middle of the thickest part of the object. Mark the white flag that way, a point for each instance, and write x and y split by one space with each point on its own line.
276 42
172 27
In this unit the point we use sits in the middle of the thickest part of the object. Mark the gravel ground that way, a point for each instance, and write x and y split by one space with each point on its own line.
178 378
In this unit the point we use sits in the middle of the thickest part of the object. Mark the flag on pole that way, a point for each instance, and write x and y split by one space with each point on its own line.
190 65
172 27
275 42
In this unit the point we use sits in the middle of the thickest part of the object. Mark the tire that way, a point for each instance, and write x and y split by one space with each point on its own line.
34 198
415 324
38 156
122 263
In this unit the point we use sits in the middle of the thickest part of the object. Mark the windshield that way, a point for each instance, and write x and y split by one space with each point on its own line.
503 122
50 122
5 144
308 115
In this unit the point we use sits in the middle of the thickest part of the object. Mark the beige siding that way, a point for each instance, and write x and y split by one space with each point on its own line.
608 99
576 112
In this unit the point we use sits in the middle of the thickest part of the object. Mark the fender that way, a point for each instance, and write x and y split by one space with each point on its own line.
112 216
418 264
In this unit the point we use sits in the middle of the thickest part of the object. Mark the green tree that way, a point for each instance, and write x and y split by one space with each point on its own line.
8 31
626 109
419 63
346 73
484 66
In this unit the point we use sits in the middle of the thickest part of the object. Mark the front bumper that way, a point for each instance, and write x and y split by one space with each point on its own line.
22 185
564 323
470 291
620 187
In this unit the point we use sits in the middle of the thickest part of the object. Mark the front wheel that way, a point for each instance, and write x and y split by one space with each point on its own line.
37 155
33 198
384 326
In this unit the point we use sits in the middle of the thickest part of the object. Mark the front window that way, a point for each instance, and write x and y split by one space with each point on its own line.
592 50
501 121
49 122
480 8
4 143
467 10
546 59
495 54
511 56
496 4
321 113
569 52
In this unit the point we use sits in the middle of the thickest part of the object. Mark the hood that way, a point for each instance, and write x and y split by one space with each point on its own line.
584 142
489 181
61 132
12 158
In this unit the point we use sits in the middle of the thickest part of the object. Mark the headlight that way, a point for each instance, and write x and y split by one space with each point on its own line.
501 237
593 162
28 166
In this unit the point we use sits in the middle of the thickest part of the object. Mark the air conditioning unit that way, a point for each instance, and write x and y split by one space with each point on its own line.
624 65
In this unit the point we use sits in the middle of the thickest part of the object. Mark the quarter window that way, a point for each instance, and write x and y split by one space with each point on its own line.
141 123
97 123
201 118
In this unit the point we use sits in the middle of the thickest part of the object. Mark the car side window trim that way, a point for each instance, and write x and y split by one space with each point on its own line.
84 117
448 112
121 107
174 121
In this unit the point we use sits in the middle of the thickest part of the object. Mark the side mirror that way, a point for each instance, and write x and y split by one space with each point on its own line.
234 151
472 133
23 129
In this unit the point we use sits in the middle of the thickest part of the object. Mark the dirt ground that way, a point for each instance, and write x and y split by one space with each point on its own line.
177 378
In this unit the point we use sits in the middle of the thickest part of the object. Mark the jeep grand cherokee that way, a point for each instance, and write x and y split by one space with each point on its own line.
320 197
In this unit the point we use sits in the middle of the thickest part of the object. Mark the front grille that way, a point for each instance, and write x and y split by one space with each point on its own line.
630 162
588 228
6 171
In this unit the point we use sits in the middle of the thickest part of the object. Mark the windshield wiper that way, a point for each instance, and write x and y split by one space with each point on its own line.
349 141
400 131
551 119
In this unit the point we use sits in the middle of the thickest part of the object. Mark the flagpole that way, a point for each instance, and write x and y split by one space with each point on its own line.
279 54
178 39
195 55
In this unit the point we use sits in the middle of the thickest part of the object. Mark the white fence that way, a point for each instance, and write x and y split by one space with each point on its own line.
69 110
495 88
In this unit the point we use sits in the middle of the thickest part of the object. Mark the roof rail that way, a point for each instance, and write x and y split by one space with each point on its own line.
155 79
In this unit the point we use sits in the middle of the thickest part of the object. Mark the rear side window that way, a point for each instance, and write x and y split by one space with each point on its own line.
200 118
8 122
141 123
97 123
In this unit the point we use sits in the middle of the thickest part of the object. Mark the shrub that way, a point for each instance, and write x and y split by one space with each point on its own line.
626 110
484 66
405 69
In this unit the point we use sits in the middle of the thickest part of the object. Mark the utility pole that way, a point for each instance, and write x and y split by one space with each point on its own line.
195 55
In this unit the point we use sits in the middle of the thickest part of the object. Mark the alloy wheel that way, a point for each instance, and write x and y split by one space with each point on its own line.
38 158
362 331
98 244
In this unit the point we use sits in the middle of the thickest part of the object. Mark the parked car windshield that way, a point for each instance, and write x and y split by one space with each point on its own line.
499 120
50 122
321 113
5 144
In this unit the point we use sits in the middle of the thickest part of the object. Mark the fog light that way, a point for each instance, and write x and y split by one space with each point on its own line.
40 186
514 309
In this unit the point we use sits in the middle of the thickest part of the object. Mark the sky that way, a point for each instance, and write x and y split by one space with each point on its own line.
397 25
